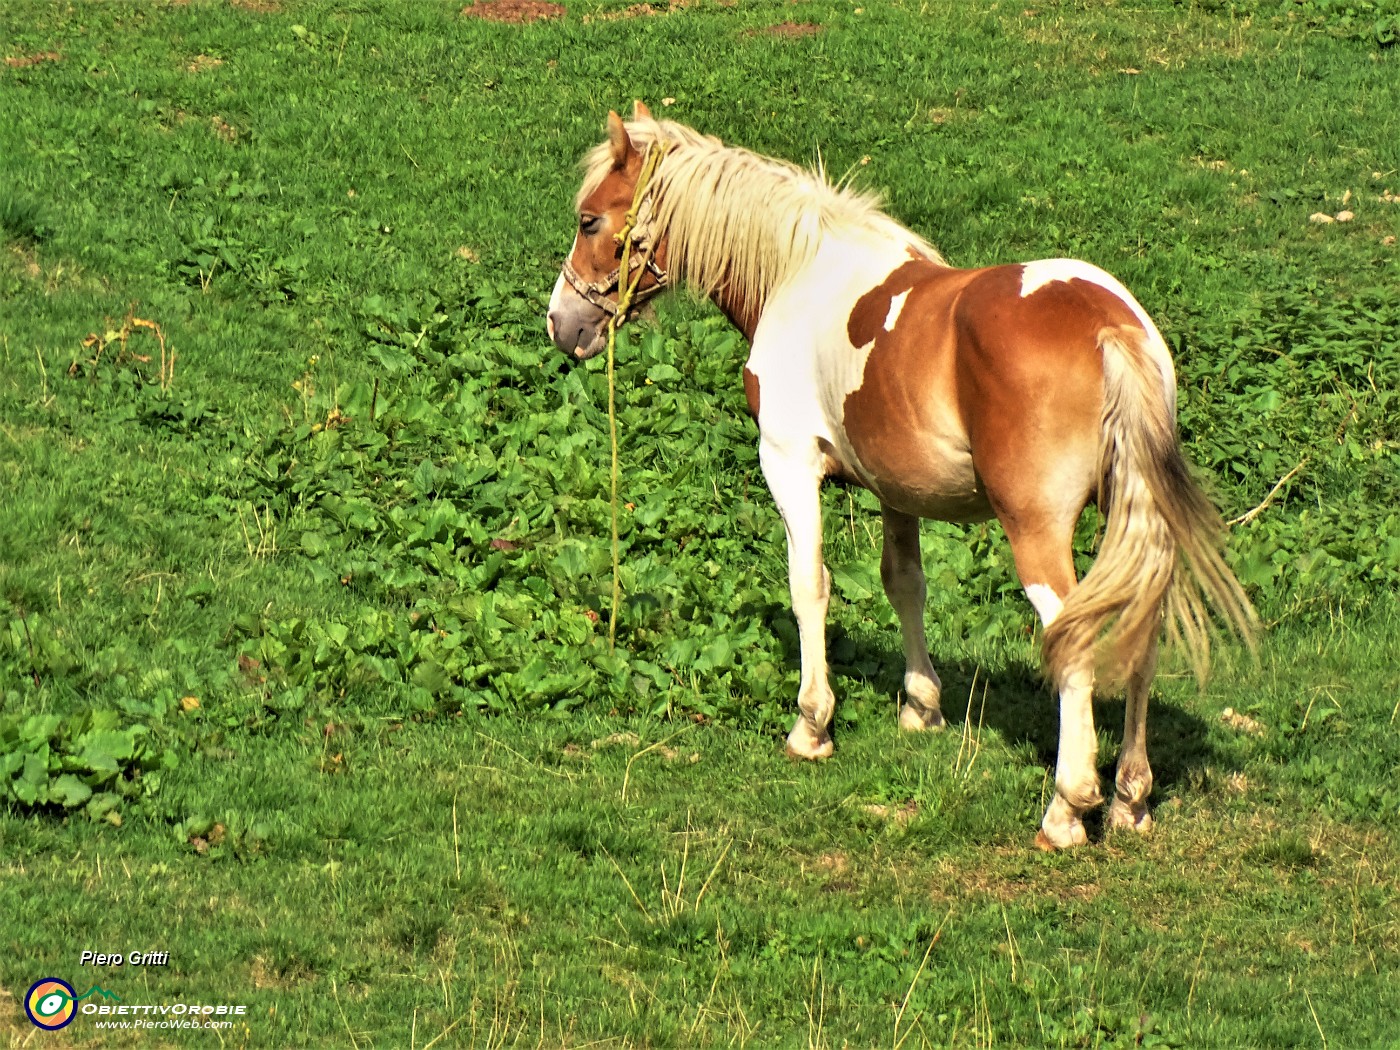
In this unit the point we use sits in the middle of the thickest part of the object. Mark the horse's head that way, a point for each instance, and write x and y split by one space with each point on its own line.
586 295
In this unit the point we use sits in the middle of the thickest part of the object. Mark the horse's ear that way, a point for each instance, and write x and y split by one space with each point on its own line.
618 140
640 111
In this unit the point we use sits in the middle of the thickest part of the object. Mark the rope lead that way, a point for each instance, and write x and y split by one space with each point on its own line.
625 293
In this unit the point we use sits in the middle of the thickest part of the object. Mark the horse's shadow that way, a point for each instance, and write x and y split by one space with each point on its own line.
1016 702
1024 711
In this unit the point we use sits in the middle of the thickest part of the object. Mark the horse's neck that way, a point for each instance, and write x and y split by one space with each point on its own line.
742 314
868 256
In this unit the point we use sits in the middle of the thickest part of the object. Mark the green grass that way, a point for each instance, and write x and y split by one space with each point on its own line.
491 874
302 651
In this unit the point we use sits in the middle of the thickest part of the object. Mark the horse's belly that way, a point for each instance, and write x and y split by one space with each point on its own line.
929 475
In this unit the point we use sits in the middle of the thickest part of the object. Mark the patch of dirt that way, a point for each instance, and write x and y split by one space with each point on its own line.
215 837
634 11
257 7
515 12
647 10
1242 722
50 274
1010 877
25 61
617 740
901 814
223 128
28 261
267 975
787 30
941 115
203 63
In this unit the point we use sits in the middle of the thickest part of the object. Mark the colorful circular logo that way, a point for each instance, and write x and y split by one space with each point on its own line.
51 1003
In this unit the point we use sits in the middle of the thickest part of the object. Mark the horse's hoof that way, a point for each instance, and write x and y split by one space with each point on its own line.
1071 836
808 747
1122 817
822 752
915 720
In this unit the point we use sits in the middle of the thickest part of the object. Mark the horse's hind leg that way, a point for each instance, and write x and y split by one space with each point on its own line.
901 569
1041 546
1134 780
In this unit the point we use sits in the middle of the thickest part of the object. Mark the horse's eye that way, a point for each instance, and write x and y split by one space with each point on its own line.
588 224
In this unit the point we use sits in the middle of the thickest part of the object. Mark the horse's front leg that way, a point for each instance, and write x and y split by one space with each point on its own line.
794 476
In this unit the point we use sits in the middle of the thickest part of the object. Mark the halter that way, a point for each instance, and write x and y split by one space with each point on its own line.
637 245
596 292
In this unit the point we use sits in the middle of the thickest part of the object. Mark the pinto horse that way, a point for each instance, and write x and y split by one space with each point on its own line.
1021 391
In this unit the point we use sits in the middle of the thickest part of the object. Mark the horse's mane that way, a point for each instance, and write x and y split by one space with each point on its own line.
741 220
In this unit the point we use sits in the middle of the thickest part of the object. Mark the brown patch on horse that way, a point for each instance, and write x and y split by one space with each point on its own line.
1031 378
903 422
751 391
515 12
867 318
975 400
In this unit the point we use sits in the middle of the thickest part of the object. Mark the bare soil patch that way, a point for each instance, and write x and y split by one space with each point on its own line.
515 12
787 30
203 63
25 61
28 262
223 128
645 10
632 11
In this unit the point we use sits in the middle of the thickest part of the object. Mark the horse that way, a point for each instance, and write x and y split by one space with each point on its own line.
1022 391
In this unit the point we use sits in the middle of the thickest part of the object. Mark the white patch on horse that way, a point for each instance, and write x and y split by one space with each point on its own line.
556 298
801 353
896 305
1047 603
1036 275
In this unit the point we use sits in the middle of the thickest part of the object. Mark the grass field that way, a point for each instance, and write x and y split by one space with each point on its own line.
304 559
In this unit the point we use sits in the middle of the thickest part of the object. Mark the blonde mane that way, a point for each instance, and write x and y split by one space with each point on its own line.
741 221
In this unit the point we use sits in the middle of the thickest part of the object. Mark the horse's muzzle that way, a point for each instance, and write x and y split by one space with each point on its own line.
580 341
576 326
583 351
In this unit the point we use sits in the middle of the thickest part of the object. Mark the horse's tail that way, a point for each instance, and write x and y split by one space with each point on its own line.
1161 550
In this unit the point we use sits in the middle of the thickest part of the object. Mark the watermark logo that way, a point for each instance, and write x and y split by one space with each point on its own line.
52 1004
